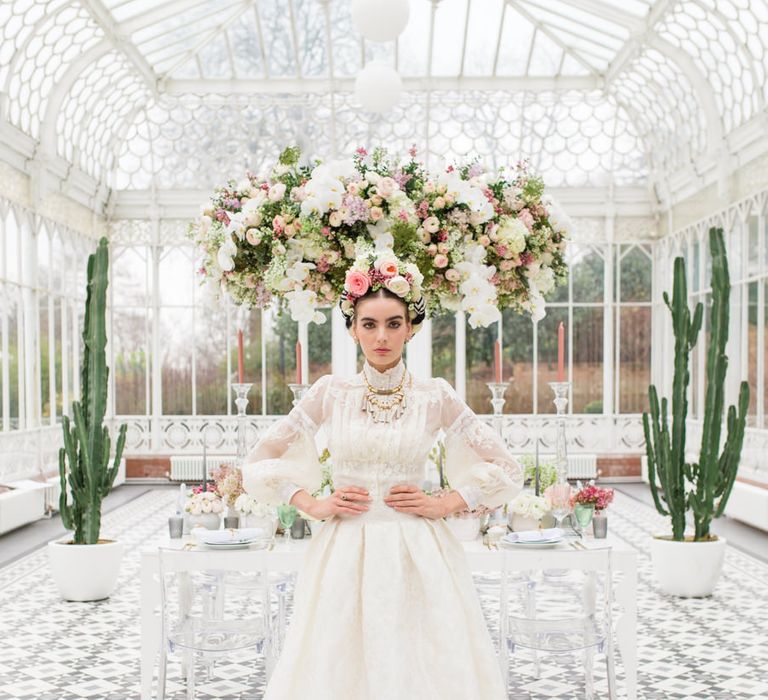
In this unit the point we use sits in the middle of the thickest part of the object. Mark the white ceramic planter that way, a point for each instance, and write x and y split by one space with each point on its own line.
520 523
687 569
464 529
85 571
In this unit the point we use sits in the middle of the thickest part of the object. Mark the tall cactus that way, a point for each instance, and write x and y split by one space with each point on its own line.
84 468
712 477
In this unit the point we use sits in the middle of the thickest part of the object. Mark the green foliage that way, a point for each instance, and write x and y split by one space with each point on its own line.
84 467
290 156
594 407
547 472
711 478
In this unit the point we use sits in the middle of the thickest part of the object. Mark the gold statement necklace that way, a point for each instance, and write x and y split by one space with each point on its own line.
384 405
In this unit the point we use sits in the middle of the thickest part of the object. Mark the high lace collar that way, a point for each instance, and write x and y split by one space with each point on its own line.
388 379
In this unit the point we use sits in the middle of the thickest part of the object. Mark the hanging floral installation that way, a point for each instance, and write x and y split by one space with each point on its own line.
476 241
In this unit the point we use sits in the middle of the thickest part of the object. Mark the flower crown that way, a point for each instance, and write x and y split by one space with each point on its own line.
383 270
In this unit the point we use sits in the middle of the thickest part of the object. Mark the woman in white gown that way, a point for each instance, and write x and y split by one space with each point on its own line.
385 607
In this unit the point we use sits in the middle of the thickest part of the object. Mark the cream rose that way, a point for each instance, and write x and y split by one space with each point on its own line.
431 224
398 285
441 260
335 219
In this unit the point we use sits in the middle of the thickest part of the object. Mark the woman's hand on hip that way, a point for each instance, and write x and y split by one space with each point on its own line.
346 500
408 498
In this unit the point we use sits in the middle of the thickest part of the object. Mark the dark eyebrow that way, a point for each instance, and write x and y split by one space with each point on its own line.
391 318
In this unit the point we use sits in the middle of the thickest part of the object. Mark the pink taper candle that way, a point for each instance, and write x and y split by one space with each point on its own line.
240 358
497 360
561 352
298 362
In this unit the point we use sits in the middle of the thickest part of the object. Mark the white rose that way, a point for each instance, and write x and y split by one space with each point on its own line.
335 219
398 285
414 271
512 234
216 506
543 278
276 192
205 506
431 224
194 508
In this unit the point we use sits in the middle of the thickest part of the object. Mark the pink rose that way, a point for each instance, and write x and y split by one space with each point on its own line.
526 217
356 283
278 224
388 268
441 260
376 213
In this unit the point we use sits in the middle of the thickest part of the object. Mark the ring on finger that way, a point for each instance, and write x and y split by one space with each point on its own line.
344 497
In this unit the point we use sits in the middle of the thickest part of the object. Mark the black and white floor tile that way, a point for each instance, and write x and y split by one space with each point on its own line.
697 649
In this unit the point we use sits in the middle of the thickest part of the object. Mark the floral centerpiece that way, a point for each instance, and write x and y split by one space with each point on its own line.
526 510
590 494
204 508
481 242
255 514
228 483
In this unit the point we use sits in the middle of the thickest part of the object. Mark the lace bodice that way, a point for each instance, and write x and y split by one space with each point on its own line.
379 455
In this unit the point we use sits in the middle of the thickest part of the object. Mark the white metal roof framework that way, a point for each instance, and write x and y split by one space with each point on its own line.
105 96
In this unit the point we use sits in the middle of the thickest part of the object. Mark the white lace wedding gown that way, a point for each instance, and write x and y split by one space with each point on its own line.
385 607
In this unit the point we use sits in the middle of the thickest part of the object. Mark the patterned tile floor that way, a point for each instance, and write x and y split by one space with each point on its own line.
702 649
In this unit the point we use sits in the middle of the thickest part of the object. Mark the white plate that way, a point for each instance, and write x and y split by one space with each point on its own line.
531 545
236 545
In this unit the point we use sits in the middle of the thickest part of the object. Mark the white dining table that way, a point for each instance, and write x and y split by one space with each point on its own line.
480 558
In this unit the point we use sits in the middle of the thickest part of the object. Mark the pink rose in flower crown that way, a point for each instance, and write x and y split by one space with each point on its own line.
388 268
356 283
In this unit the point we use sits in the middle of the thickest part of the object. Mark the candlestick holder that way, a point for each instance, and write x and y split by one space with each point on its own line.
298 391
498 389
560 389
241 401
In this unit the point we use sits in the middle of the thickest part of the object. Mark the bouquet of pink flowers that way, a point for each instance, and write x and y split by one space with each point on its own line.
594 495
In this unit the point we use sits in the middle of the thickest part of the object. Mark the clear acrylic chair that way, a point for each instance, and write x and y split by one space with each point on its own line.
204 619
551 618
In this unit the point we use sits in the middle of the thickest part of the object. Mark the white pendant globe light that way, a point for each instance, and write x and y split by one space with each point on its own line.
380 20
378 87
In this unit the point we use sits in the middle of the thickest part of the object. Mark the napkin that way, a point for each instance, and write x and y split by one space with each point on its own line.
549 535
247 534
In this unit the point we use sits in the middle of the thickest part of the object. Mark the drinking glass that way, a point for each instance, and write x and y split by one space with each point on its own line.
583 513
287 514
560 500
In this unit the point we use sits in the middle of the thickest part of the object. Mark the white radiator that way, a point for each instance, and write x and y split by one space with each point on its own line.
190 467
579 466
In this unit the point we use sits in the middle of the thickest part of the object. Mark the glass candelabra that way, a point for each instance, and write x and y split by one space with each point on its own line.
298 391
560 390
241 401
498 389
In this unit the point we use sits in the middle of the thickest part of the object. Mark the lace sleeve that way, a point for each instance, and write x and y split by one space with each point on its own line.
284 460
477 464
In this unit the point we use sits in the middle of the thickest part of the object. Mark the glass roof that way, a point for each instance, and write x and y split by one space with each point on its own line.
592 91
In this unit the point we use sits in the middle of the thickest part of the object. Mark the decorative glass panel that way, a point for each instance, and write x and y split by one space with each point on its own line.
130 362
587 369
517 367
176 356
634 358
546 331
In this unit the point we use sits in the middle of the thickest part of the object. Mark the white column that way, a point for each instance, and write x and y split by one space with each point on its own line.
419 352
304 340
610 364
461 355
156 251
343 352
29 353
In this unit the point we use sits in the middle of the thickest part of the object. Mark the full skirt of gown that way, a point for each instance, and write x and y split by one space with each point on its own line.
385 609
